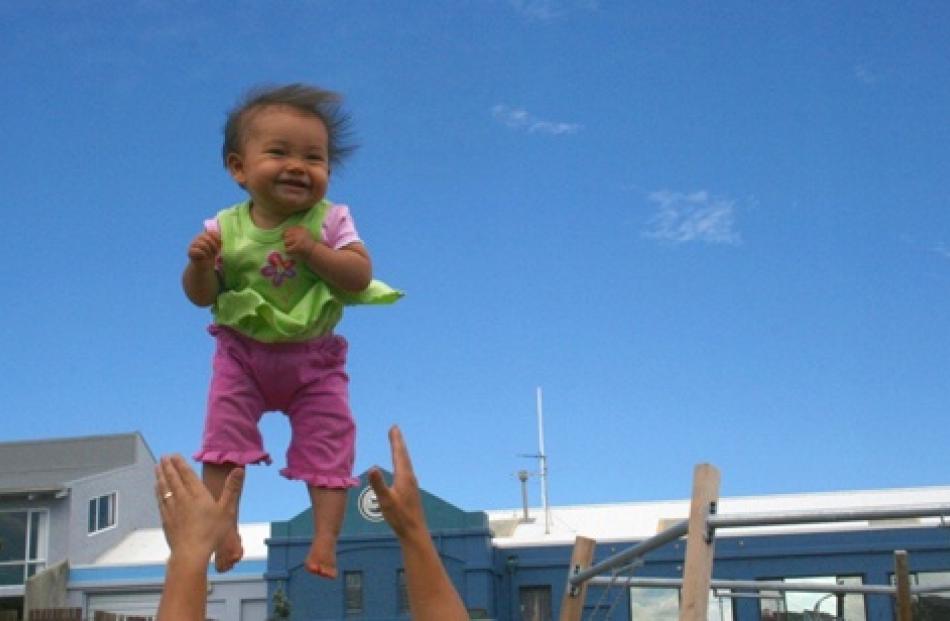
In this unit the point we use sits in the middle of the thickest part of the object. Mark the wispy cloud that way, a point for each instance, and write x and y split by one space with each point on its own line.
942 249
545 10
697 216
863 73
522 120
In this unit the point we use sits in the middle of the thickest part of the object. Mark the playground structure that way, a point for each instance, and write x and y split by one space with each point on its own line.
700 532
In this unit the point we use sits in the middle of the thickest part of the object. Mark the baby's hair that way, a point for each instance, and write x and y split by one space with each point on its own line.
323 104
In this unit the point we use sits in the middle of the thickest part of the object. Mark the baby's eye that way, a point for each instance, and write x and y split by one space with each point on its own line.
277 152
313 157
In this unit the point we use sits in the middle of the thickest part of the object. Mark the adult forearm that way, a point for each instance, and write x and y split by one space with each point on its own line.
200 284
186 586
432 597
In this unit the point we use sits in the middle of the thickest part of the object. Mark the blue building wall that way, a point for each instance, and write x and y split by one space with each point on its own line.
367 545
866 553
490 579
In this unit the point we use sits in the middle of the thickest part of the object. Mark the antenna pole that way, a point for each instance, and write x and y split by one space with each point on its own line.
542 458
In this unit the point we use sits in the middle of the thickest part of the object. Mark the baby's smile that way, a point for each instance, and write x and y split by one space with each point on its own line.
294 183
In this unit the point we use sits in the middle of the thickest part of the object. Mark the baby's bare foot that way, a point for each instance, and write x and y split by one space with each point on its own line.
321 560
228 552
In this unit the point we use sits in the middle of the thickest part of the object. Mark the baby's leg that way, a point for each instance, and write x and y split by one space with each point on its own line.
329 506
230 550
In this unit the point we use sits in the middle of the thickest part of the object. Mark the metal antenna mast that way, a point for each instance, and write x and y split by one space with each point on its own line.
543 463
542 470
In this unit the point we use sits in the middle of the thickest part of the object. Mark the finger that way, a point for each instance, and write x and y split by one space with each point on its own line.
160 485
402 465
378 484
172 478
190 483
231 494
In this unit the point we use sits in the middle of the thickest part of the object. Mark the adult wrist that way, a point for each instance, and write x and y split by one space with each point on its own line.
190 560
415 535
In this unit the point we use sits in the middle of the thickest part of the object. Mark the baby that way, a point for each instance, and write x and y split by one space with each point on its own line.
276 271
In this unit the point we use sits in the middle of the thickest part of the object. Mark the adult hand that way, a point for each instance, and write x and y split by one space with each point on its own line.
432 596
204 248
193 521
400 503
298 241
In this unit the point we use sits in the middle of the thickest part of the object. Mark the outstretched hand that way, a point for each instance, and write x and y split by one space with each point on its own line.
401 503
193 521
432 596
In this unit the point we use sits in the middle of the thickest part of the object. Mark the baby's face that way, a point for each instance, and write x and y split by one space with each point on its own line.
284 164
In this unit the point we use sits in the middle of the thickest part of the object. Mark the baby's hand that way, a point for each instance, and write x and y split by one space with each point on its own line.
204 248
298 240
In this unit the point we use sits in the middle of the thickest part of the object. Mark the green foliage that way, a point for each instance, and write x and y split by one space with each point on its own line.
281 606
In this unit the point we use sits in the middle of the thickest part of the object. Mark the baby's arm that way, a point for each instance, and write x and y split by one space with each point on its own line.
348 268
200 280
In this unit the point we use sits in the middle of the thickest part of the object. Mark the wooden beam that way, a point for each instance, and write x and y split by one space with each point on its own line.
572 605
905 609
697 570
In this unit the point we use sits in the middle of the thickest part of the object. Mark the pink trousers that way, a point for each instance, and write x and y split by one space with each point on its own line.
306 381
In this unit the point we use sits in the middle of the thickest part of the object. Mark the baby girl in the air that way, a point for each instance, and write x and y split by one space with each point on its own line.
277 270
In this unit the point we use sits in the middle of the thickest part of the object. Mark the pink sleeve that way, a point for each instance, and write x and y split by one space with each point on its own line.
211 225
339 230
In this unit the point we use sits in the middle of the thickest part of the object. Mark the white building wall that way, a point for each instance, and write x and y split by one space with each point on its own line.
238 598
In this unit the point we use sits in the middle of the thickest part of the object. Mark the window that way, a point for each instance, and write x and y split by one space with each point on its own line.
23 537
818 604
402 592
535 603
101 513
933 604
352 592
663 604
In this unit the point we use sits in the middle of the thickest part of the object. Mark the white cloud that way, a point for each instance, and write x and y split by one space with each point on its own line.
697 216
544 10
522 120
942 249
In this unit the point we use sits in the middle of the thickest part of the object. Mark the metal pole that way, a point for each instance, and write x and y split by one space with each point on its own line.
819 516
752 585
930 588
543 459
658 540
523 477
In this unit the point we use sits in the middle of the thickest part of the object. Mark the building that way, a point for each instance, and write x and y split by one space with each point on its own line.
69 499
90 501
127 580
509 569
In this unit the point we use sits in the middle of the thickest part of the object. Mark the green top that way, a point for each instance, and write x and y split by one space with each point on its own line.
267 294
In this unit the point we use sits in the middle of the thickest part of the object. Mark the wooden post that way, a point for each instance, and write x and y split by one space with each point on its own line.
697 570
905 611
572 605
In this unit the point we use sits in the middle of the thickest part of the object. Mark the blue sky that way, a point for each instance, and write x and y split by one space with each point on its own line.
710 232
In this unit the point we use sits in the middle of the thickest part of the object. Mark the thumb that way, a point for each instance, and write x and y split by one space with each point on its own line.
378 484
231 493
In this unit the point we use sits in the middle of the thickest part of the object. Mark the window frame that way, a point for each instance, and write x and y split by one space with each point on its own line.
547 602
35 544
714 599
402 592
96 529
782 596
347 610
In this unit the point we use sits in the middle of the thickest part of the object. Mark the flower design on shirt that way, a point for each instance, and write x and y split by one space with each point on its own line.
278 268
